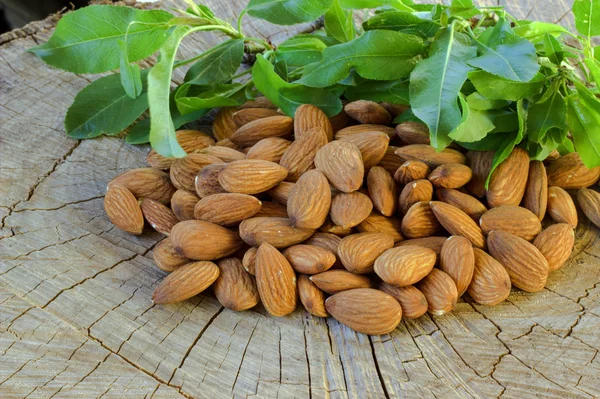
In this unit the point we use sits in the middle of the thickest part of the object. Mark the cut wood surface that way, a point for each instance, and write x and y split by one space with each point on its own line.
77 320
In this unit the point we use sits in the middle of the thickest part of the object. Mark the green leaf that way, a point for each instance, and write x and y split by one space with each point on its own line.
361 4
515 61
289 96
463 8
478 102
130 74
193 98
402 21
497 88
491 142
288 12
339 23
218 64
300 51
587 17
86 40
474 124
406 116
377 55
553 139
103 107
546 115
505 121
395 91
594 68
534 31
553 49
436 82
584 123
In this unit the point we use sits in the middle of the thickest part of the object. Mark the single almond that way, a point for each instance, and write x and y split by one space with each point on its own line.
234 288
309 259
358 252
410 171
227 143
123 210
382 190
561 207
481 164
330 227
146 183
308 117
339 121
158 161
372 146
536 191
411 300
272 209
251 176
365 127
272 126
413 133
328 241
249 260
458 223
427 154
342 163
276 281
406 265
380 224
465 202
200 240
350 209
513 219
247 115
390 161
451 175
413 192
420 221
227 209
278 232
166 258
457 261
207 181
332 281
589 201
223 125
184 170
490 284
365 111
435 243
185 282
509 179
309 200
269 149
160 217
225 154
440 291
300 155
556 244
182 204
569 172
312 298
281 192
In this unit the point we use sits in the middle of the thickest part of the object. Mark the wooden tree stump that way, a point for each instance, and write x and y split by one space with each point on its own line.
76 318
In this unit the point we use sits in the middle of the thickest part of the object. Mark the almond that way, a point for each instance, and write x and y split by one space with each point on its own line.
200 240
589 201
390 161
272 126
146 183
490 284
223 153
358 252
554 154
325 240
223 125
420 221
182 204
247 115
312 298
569 172
368 112
251 176
411 300
435 243
536 191
350 209
166 258
509 179
300 156
160 217
410 171
481 164
158 161
339 121
556 244
227 209
333 281
278 232
427 154
413 133
185 282
466 203
372 146
123 210
330 227
457 261
269 149
458 223
382 190
234 288
207 181
308 117
227 143
365 310
281 192
366 127
526 266
405 265
259 102
309 200
249 260
561 207
513 219
184 170
272 209
395 109
276 281
413 192
380 224
440 291
190 140
309 259
451 175
342 163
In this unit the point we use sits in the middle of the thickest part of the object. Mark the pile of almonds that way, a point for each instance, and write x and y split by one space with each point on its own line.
361 221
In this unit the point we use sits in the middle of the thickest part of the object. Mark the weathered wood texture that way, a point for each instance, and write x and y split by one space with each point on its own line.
76 319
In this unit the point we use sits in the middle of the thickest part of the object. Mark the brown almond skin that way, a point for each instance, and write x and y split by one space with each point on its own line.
309 200
259 102
281 192
189 140
207 180
328 241
420 221
276 281
365 310
404 266
413 133
380 224
350 209
300 155
390 161
569 172
556 244
413 192
451 175
249 260
272 126
457 261
330 227
427 154
358 252
183 203
307 117
278 232
272 209
166 258
184 170
365 111
410 171
158 161
227 143
440 291
509 179
251 176
247 115
589 201
269 149
227 209
160 217
146 183
365 127
223 125
490 284
411 300
435 243
309 259
339 121
382 190
200 240
561 207
536 191
185 282
458 223
123 210
395 109
234 288
465 202
342 163
312 298
225 154
526 266
513 219
372 146
333 281
481 164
